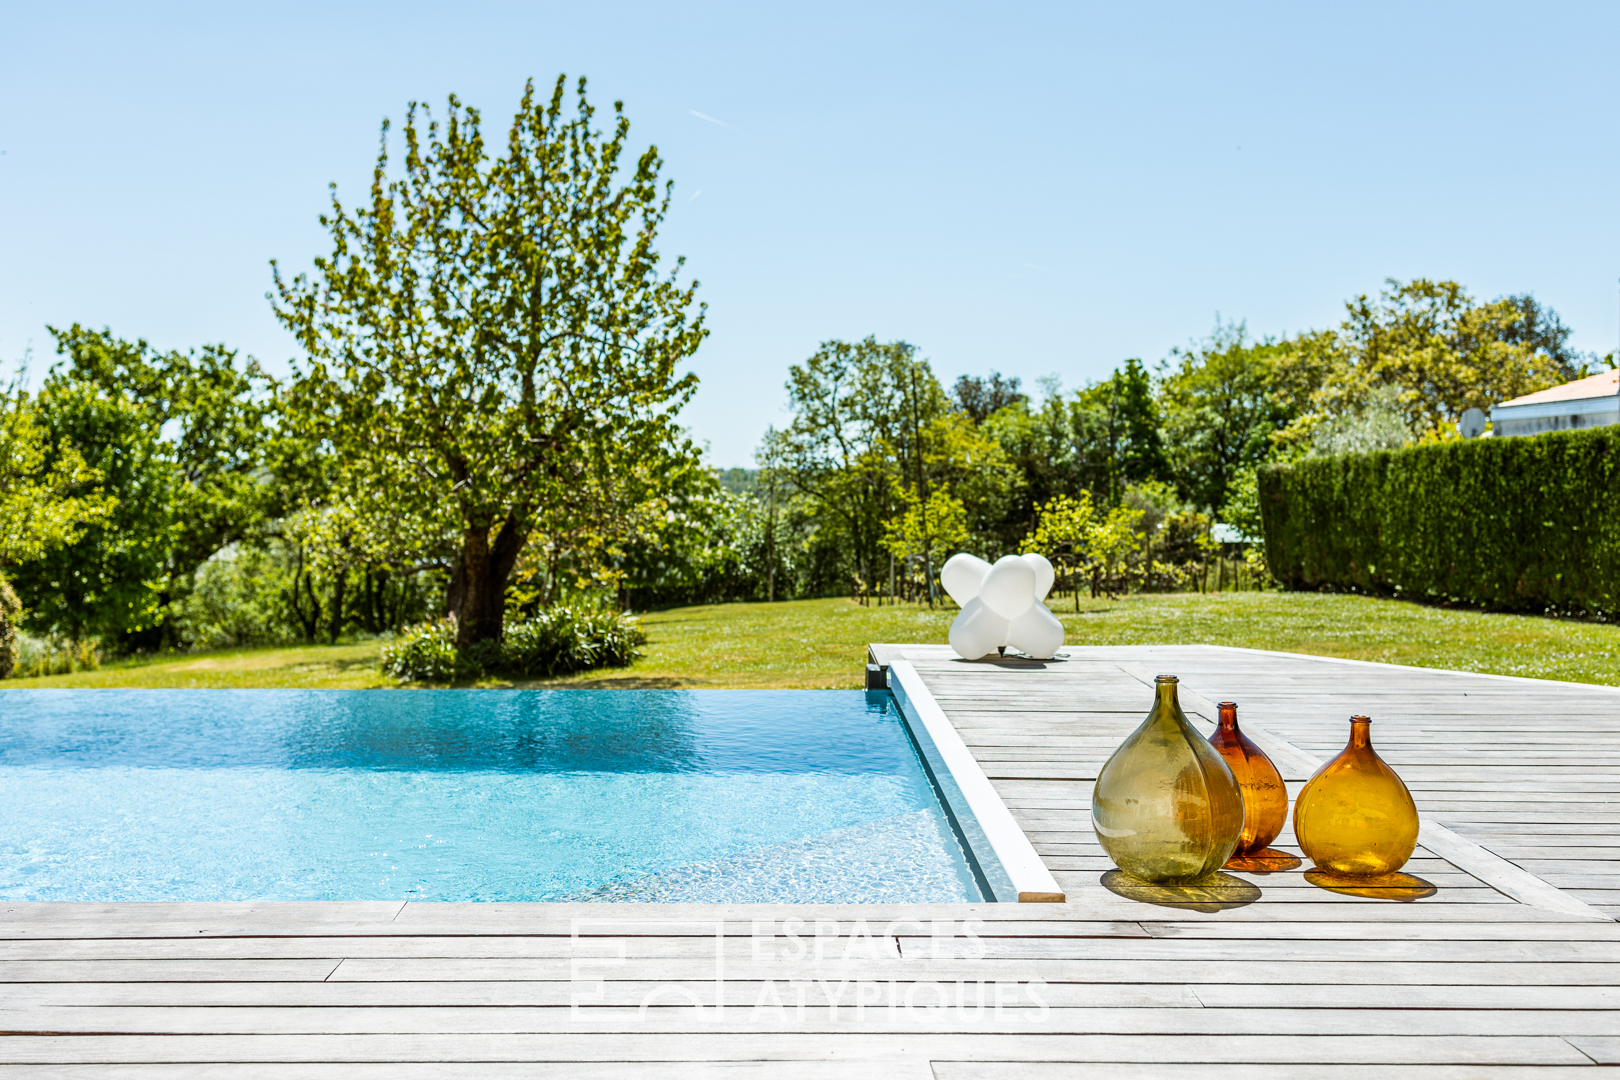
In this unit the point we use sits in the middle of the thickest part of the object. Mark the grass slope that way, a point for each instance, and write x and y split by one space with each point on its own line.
324 667
822 643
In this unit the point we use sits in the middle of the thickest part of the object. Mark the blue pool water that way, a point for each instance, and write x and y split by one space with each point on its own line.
632 795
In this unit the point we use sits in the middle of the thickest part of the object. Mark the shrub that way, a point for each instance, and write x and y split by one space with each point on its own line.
54 656
424 653
237 598
1513 524
555 641
10 612
561 639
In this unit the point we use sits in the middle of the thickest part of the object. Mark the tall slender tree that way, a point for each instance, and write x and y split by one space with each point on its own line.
856 444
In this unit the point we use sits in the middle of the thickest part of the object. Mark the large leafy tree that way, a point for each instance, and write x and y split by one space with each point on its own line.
1099 440
1444 353
494 355
1222 406
1036 440
982 398
109 580
209 417
873 436
856 443
49 494
1117 424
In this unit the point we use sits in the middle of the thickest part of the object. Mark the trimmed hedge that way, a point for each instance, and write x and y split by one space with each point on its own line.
1512 524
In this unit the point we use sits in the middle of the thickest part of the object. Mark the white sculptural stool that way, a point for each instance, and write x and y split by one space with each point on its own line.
1002 605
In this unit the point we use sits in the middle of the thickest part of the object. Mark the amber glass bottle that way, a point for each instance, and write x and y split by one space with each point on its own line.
1265 799
1166 807
1355 817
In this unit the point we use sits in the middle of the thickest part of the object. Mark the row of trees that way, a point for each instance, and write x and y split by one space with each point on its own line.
179 499
487 422
883 472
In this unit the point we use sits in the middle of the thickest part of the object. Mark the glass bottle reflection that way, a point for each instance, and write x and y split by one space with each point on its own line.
1265 798
1355 817
1166 807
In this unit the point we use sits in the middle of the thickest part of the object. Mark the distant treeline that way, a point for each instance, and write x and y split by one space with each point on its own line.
884 471
158 500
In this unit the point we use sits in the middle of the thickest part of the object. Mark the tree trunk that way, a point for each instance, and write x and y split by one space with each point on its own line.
485 568
334 627
308 621
457 588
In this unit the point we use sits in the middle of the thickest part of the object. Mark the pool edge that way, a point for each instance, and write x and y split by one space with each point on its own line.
1031 880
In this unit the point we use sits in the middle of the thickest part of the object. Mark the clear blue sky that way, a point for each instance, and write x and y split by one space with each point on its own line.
1039 189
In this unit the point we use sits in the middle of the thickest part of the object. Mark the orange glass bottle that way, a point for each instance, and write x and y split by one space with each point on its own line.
1265 798
1165 806
1355 817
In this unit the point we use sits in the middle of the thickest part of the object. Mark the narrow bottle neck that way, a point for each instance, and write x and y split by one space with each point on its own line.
1227 716
1360 733
1165 685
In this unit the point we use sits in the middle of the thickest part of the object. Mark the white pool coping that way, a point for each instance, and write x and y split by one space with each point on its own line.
1031 879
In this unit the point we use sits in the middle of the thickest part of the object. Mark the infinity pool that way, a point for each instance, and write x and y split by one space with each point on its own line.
613 795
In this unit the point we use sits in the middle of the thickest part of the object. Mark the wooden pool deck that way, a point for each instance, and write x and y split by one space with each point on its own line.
1503 961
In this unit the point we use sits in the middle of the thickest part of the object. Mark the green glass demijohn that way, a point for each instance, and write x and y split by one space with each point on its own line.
1166 807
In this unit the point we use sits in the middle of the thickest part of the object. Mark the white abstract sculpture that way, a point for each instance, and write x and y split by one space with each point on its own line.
1001 605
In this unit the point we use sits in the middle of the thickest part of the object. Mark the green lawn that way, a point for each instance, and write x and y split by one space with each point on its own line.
328 667
822 643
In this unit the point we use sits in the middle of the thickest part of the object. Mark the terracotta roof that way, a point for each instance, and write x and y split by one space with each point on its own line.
1603 384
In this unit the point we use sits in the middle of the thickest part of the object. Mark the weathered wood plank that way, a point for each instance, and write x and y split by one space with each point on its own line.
827 1010
1005 1070
1435 973
896 1067
746 993
1081 943
637 1046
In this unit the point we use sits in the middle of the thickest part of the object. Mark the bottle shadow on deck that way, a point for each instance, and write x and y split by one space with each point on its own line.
1403 888
1217 892
1266 861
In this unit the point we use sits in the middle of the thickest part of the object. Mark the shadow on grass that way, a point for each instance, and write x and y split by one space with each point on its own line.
368 663
1217 892
612 682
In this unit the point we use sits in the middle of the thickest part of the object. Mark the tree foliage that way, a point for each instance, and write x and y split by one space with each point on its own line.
494 355
210 422
927 529
484 437
1444 353
48 493
1087 540
874 434
109 580
1223 404
856 438
1119 429
980 398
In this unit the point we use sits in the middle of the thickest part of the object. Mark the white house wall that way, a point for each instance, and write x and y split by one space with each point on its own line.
1554 416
